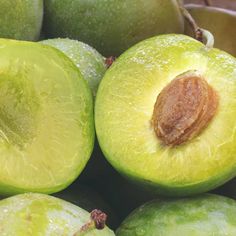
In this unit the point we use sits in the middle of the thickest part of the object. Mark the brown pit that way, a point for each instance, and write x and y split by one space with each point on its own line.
184 109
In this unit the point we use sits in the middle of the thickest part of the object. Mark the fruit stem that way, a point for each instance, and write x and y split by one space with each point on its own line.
208 38
201 35
109 61
97 221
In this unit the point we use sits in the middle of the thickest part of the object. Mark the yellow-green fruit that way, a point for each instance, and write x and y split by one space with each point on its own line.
130 116
199 216
89 61
38 214
46 119
21 19
220 22
111 26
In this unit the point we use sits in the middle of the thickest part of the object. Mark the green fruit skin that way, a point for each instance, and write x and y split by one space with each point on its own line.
124 109
200 216
111 26
220 22
21 20
38 214
47 103
90 62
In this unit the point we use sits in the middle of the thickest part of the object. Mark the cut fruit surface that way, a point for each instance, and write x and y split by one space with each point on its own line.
89 61
46 119
124 116
39 214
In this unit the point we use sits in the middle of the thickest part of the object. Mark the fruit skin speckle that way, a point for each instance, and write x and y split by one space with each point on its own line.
21 20
198 216
39 214
111 26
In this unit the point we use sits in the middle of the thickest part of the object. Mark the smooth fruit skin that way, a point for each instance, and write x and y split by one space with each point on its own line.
200 216
124 108
111 26
46 119
39 214
89 61
21 20
220 22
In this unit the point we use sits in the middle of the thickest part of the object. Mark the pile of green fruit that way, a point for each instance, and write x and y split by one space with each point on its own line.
117 118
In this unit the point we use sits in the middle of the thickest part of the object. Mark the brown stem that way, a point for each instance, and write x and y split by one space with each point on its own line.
208 2
98 221
197 30
109 61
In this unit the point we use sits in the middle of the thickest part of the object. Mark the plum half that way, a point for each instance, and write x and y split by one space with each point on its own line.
46 119
89 61
199 216
39 214
165 115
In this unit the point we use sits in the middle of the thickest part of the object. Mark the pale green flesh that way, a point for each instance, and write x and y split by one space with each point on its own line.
42 215
124 109
90 63
207 215
46 119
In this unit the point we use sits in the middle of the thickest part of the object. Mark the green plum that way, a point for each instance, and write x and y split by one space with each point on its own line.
46 119
199 216
165 115
90 62
220 22
21 19
39 214
111 26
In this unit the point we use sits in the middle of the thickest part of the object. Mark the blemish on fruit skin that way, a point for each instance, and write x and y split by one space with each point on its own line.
109 61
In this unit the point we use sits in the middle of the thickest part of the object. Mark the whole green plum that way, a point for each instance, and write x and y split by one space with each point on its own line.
200 216
21 20
111 26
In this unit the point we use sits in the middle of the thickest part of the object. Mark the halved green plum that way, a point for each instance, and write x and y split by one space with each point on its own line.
111 26
89 61
39 214
21 19
46 119
200 216
165 115
220 22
